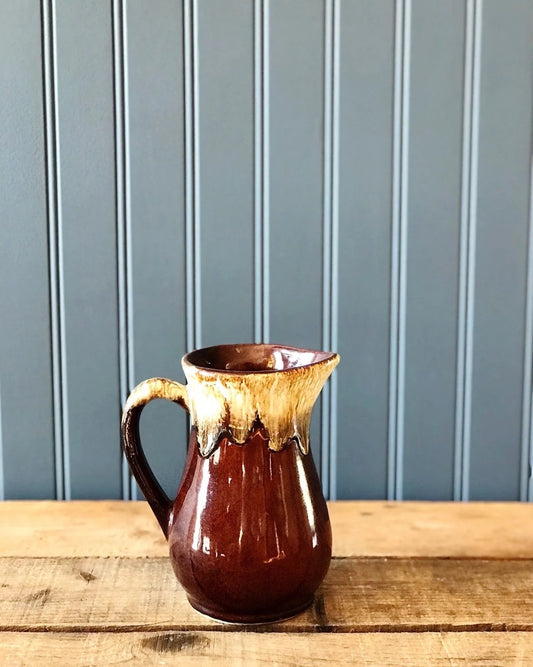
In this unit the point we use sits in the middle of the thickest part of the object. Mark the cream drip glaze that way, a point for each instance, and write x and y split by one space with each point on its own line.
233 405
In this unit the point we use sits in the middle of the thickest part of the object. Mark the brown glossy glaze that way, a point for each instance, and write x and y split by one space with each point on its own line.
252 357
249 537
249 534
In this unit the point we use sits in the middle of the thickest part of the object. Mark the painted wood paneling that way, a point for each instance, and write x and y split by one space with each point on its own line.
433 211
155 200
26 420
87 247
365 201
224 160
295 176
502 221
329 173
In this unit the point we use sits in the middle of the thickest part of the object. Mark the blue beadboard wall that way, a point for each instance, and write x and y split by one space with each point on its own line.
341 174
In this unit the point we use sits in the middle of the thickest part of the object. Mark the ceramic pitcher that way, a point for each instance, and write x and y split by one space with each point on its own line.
248 533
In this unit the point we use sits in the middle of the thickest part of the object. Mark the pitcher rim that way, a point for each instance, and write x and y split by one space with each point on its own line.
323 358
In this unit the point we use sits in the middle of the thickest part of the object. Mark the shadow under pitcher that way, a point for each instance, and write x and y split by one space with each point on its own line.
249 533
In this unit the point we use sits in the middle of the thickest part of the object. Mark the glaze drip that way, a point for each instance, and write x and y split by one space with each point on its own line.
234 405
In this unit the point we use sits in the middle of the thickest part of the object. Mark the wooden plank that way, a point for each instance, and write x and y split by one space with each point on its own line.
359 595
360 528
253 648
436 530
80 528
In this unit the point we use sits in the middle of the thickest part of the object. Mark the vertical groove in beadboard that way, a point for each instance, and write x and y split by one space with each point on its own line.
465 331
123 226
402 297
463 250
261 173
258 171
189 189
53 185
334 303
61 275
472 229
526 449
190 294
130 348
395 245
330 270
400 158
326 240
192 169
266 171
196 165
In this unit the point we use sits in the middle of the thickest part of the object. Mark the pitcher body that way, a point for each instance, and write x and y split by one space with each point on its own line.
249 533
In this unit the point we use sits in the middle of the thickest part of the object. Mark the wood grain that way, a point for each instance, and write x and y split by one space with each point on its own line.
89 583
358 596
477 649
360 528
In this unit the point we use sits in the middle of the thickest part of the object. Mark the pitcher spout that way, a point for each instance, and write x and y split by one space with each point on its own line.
237 390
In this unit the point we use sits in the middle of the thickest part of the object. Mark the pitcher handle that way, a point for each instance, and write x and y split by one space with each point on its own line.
131 441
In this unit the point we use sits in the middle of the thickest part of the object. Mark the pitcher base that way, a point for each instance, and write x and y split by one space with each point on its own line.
249 619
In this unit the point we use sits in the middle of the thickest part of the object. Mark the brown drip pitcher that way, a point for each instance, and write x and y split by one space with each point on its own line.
249 532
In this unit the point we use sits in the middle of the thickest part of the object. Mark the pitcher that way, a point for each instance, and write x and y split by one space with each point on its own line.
249 532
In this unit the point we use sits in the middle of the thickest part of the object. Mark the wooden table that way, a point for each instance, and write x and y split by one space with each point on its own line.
89 583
